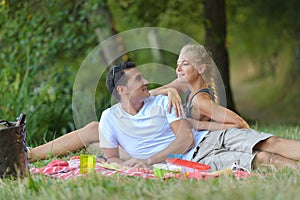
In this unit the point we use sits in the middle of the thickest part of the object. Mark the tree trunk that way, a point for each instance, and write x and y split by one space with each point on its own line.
215 41
106 29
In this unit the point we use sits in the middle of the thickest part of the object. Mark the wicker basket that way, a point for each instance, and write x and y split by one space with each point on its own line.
13 150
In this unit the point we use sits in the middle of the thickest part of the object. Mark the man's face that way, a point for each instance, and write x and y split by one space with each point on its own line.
137 85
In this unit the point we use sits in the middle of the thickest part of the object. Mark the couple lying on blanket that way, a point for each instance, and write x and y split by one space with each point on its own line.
149 127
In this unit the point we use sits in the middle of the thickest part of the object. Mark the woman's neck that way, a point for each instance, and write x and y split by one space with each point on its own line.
197 85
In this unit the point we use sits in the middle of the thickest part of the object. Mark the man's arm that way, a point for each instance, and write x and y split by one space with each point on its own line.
183 142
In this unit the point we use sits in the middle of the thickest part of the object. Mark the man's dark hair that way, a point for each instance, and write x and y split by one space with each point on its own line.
115 77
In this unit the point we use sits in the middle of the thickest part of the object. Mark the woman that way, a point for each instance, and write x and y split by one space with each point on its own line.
195 71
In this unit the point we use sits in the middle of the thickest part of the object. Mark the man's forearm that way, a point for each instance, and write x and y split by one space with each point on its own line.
112 155
183 142
157 91
115 160
177 146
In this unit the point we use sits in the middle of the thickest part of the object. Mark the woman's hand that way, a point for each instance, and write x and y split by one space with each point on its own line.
175 102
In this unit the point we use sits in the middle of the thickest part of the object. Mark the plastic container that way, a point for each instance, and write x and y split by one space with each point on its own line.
188 167
160 170
180 156
87 164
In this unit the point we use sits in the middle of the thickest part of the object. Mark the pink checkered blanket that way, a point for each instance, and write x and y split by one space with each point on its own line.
71 169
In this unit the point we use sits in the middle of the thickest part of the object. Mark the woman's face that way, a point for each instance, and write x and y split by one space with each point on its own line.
185 70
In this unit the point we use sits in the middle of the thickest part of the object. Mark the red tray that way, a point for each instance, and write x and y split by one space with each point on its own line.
186 163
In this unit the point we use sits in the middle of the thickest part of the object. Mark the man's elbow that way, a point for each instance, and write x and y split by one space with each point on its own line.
189 141
192 141
184 134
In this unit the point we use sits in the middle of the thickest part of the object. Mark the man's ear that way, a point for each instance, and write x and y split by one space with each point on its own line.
121 90
201 68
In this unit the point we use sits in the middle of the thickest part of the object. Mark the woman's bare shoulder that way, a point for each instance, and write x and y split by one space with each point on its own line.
202 98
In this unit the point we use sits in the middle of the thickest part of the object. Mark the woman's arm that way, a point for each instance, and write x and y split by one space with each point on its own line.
212 125
175 84
221 117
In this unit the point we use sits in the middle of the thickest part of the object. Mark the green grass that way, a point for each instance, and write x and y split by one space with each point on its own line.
280 185
284 184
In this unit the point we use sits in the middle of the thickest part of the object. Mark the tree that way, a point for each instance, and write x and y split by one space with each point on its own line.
215 41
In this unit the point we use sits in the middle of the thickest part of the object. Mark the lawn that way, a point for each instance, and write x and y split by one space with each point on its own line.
284 184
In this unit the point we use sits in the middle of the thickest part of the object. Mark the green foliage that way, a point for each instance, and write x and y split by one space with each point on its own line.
133 14
262 38
40 45
186 17
262 33
180 15
50 29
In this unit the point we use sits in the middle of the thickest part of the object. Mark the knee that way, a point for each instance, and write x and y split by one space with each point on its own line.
273 140
261 158
90 130
93 125
89 133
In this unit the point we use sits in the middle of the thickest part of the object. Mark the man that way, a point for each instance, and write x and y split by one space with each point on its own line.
140 123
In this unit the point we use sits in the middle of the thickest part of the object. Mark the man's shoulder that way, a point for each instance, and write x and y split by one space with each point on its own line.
159 103
111 110
159 99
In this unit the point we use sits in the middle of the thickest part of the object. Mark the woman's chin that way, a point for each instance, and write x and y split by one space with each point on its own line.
182 80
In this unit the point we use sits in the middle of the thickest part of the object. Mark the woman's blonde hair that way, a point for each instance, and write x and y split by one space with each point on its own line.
202 55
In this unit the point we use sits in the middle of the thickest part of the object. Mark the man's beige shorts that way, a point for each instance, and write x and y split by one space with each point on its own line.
220 149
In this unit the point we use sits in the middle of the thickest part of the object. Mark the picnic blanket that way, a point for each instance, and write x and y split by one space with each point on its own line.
71 169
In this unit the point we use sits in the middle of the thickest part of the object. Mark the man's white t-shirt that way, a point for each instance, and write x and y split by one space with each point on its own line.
144 134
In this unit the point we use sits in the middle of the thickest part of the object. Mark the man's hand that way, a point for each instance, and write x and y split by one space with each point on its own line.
136 163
